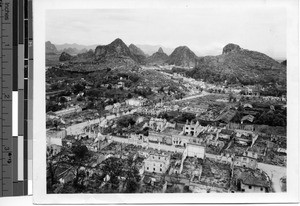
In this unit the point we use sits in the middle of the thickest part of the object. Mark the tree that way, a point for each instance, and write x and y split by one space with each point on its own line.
126 121
56 124
186 116
80 158
73 159
113 168
78 88
131 187
53 163
63 99
132 176
80 98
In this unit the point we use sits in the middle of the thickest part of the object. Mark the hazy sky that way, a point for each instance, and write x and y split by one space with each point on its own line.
205 31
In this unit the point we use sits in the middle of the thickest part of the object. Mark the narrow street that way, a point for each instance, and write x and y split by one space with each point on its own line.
204 93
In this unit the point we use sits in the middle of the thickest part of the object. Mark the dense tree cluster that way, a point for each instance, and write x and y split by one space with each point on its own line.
272 118
126 121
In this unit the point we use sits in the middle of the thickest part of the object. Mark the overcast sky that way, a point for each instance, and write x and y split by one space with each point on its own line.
205 31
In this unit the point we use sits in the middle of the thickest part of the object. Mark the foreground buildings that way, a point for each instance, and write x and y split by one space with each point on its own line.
202 145
158 162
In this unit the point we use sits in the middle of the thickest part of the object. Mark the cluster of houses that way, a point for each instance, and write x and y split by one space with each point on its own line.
243 168
191 139
118 85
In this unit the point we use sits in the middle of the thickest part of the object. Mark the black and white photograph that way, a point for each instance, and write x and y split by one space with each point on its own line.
167 100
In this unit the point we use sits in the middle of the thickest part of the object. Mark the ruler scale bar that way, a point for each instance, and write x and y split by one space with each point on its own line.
15 100
16 55
6 108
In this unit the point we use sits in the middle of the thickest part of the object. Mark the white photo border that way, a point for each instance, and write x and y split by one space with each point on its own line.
40 195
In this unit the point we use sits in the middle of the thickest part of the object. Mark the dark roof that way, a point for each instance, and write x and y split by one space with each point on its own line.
227 116
226 131
145 133
253 178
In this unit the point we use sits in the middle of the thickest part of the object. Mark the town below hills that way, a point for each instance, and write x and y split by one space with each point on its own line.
120 120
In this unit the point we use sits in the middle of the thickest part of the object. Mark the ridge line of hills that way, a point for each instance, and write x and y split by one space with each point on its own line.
234 64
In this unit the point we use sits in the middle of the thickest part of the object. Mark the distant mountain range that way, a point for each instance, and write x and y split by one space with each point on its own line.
235 64
75 46
117 50
72 49
151 49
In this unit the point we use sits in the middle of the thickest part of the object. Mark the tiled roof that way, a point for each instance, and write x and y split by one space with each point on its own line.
253 177
226 131
227 116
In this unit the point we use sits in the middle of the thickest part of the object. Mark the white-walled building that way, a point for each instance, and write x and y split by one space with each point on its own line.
55 137
195 150
248 159
136 101
157 162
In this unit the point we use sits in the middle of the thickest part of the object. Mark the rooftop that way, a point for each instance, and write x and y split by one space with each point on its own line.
252 177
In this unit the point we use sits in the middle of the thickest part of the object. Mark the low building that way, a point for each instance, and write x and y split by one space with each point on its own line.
247 118
237 126
225 134
69 110
157 123
137 138
136 102
191 128
227 116
244 139
55 137
157 162
248 160
195 150
53 149
180 140
250 181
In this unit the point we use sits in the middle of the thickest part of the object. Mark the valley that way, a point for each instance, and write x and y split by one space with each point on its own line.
123 121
